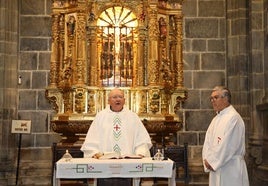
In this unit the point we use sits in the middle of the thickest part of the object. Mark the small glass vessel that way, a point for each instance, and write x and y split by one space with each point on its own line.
158 155
67 156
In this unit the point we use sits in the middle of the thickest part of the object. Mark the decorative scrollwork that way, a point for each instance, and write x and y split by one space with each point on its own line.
256 152
98 45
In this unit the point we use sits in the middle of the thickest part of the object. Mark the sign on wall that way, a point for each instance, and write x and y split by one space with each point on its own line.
21 126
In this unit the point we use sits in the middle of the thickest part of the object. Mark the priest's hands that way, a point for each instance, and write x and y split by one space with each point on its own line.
114 155
97 155
208 166
142 156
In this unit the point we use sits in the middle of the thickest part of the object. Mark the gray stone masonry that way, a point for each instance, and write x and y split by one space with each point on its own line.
34 66
8 84
223 44
204 68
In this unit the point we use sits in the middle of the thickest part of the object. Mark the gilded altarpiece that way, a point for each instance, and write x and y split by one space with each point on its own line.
131 44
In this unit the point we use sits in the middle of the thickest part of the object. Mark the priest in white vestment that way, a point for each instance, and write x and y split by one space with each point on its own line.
224 146
116 129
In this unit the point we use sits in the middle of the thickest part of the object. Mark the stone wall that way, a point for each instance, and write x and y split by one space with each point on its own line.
8 84
224 43
258 132
34 65
205 67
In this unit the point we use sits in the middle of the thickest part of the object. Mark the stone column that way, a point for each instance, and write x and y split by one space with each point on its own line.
8 85
262 13
265 52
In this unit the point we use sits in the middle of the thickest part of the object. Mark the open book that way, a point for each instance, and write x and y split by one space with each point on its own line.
114 155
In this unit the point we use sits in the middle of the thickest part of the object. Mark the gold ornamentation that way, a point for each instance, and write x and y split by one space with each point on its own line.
80 97
154 95
91 102
143 102
146 58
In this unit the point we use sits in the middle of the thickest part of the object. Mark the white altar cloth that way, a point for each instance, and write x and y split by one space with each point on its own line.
123 168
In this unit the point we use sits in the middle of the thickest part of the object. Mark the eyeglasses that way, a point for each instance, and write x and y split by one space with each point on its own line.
117 97
214 98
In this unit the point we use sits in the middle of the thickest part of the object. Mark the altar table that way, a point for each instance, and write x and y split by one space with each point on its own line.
78 168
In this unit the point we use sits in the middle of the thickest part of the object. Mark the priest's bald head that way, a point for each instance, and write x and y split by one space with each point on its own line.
116 100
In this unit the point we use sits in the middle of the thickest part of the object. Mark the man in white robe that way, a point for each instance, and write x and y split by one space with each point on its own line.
116 129
224 146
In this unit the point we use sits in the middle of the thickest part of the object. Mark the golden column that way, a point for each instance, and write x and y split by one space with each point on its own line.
81 49
178 52
141 59
54 61
92 57
93 69
153 63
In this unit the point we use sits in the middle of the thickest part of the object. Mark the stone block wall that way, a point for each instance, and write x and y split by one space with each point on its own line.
204 62
33 68
258 130
216 51
204 67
